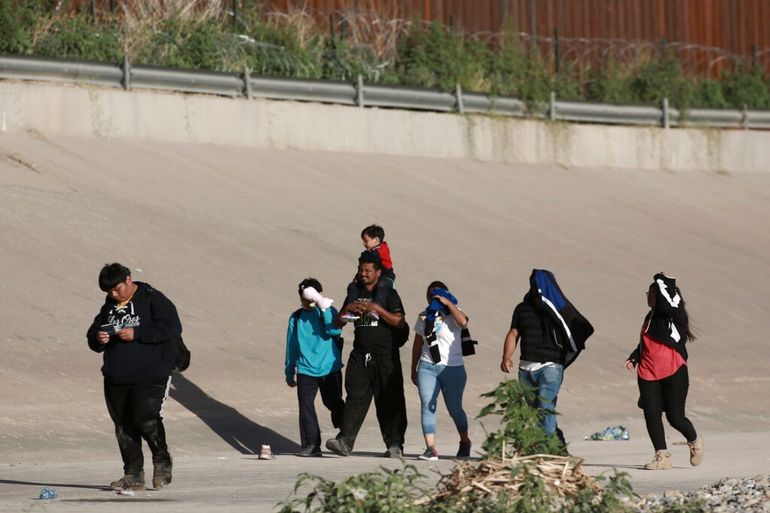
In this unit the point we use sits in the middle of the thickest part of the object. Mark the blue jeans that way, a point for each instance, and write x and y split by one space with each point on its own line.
546 381
450 381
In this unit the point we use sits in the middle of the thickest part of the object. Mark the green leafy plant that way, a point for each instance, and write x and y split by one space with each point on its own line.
436 56
747 87
394 491
13 38
520 424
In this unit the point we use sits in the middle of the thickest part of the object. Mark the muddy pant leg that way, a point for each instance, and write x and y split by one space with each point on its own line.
149 400
119 399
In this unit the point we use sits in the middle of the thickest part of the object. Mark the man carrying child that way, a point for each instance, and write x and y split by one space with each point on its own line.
374 366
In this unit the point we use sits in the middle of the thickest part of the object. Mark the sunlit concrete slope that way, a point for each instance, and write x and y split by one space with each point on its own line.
228 232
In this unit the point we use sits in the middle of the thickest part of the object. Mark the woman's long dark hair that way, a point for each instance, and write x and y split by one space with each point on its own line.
690 333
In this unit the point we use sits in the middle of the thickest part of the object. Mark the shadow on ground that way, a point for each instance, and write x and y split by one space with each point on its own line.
53 485
243 434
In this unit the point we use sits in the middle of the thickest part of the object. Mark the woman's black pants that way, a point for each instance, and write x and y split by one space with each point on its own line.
669 395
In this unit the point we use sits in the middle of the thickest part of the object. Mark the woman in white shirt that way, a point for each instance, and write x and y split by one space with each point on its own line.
437 366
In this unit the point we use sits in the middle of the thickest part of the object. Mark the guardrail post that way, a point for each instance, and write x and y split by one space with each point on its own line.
360 91
126 73
745 117
459 99
666 120
247 82
552 107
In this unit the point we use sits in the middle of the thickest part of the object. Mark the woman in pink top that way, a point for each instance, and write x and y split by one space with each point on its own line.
661 365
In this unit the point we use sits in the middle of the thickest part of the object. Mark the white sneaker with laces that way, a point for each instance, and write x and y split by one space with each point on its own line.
430 454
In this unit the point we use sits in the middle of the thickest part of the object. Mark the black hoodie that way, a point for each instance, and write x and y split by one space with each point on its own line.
667 322
151 354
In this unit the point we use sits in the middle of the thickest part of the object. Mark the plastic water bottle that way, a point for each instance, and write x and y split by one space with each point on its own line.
46 494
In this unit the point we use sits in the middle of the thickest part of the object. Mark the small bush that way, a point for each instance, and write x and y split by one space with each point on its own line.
13 38
435 56
520 425
746 87
78 37
394 491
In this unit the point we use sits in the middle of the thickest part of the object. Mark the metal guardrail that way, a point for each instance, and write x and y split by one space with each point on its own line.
368 95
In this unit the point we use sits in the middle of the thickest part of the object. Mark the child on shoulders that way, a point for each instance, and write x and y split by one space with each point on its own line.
373 239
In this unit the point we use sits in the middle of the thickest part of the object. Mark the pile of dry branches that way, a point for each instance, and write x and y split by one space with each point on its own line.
563 476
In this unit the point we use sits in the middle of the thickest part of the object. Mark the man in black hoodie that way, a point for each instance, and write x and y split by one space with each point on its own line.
136 331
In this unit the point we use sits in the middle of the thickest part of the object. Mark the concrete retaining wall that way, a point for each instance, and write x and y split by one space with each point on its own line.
94 112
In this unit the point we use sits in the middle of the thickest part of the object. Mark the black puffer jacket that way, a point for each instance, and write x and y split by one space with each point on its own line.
156 328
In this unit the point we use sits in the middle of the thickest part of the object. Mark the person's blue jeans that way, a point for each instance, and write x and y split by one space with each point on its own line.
450 381
546 381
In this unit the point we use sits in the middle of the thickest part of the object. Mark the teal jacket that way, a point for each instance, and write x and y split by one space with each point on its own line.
310 347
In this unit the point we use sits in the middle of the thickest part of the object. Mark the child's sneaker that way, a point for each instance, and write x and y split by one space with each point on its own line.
349 317
265 453
430 454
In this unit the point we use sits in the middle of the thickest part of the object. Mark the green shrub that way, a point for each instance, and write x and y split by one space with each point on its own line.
78 37
746 87
710 94
512 71
14 39
657 80
392 491
520 425
435 56
609 84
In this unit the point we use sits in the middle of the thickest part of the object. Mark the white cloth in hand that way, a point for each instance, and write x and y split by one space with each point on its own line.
311 294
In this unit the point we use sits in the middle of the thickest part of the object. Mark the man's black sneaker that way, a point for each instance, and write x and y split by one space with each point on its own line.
310 451
338 447
394 451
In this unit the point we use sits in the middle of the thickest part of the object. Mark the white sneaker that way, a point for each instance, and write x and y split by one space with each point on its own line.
430 454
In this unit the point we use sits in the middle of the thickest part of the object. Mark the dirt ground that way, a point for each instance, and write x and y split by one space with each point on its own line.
227 233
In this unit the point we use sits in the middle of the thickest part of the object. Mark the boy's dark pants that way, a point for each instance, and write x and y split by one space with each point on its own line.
377 376
136 411
331 396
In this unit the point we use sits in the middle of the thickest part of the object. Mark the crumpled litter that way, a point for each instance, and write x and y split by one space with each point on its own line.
610 433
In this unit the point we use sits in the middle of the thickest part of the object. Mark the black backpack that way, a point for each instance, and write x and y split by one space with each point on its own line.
338 340
182 358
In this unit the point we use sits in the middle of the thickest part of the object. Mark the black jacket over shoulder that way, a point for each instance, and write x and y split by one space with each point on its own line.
156 328
540 340
667 322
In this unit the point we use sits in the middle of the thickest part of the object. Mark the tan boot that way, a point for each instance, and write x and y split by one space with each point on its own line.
662 461
133 482
696 451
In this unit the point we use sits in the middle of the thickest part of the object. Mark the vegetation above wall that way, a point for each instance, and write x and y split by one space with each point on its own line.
202 35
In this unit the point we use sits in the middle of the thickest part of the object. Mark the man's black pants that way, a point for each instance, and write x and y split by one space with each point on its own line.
136 410
331 396
377 376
